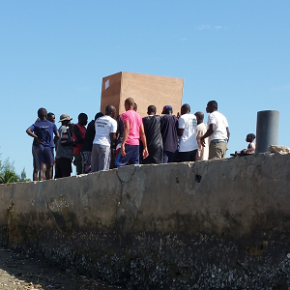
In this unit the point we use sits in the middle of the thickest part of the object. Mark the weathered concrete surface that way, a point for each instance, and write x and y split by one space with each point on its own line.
203 225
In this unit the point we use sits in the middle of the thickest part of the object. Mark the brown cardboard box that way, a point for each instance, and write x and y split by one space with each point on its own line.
144 89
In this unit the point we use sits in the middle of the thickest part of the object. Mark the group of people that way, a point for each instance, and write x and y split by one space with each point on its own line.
110 142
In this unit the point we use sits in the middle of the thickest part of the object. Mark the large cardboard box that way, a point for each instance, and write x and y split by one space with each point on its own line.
144 89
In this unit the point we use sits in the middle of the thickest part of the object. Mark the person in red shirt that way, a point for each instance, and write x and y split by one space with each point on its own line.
79 133
133 130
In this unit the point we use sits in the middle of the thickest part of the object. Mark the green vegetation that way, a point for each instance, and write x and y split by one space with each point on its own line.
8 174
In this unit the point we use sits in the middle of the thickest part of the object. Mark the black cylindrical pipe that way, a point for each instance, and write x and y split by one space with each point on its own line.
267 130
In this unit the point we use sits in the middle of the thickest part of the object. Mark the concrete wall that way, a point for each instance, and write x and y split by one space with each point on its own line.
211 225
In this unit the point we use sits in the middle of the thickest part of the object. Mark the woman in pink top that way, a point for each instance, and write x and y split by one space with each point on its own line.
133 129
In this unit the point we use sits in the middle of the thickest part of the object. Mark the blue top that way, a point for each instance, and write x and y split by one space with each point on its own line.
44 130
169 125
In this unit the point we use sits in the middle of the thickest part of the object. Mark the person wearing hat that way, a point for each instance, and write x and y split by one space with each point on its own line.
169 126
64 148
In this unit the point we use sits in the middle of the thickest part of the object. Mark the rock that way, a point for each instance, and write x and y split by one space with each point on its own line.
279 149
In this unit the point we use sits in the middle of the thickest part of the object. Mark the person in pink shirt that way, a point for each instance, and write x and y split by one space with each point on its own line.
133 130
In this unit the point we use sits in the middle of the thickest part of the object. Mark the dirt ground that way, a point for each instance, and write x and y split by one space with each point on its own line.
18 272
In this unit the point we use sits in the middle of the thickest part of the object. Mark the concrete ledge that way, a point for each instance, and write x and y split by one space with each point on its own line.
221 223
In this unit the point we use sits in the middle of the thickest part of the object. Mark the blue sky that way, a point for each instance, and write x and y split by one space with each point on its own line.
53 54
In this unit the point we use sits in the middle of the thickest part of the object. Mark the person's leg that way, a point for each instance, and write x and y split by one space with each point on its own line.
165 157
107 157
129 155
58 172
36 165
66 167
224 148
49 160
184 156
171 156
78 163
86 162
134 153
87 157
94 159
100 159
193 155
215 150
42 162
42 173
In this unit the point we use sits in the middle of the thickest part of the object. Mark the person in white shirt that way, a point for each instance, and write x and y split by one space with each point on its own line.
218 132
106 128
201 128
187 132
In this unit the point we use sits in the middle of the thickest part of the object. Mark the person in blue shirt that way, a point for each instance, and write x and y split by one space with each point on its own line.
42 132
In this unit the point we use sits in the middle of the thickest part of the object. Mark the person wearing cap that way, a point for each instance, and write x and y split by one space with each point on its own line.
169 126
42 132
187 132
64 148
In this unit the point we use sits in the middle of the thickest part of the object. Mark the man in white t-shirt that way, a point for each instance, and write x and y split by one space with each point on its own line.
187 132
218 132
106 128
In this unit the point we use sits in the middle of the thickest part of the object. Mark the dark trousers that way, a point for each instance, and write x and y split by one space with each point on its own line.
187 156
168 157
62 167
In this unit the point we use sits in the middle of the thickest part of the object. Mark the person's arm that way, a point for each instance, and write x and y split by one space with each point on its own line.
56 134
125 137
228 133
208 133
118 126
78 135
144 141
180 132
30 133
113 136
181 126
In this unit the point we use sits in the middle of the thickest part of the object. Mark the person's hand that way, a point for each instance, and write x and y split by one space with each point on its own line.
202 141
38 141
145 153
123 152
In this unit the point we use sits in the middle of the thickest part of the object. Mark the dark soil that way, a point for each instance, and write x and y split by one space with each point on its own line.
18 271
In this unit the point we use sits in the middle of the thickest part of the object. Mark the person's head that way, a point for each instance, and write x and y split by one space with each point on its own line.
151 110
110 111
83 119
65 119
99 115
135 107
42 114
129 104
185 109
51 117
199 117
211 106
167 110
250 137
